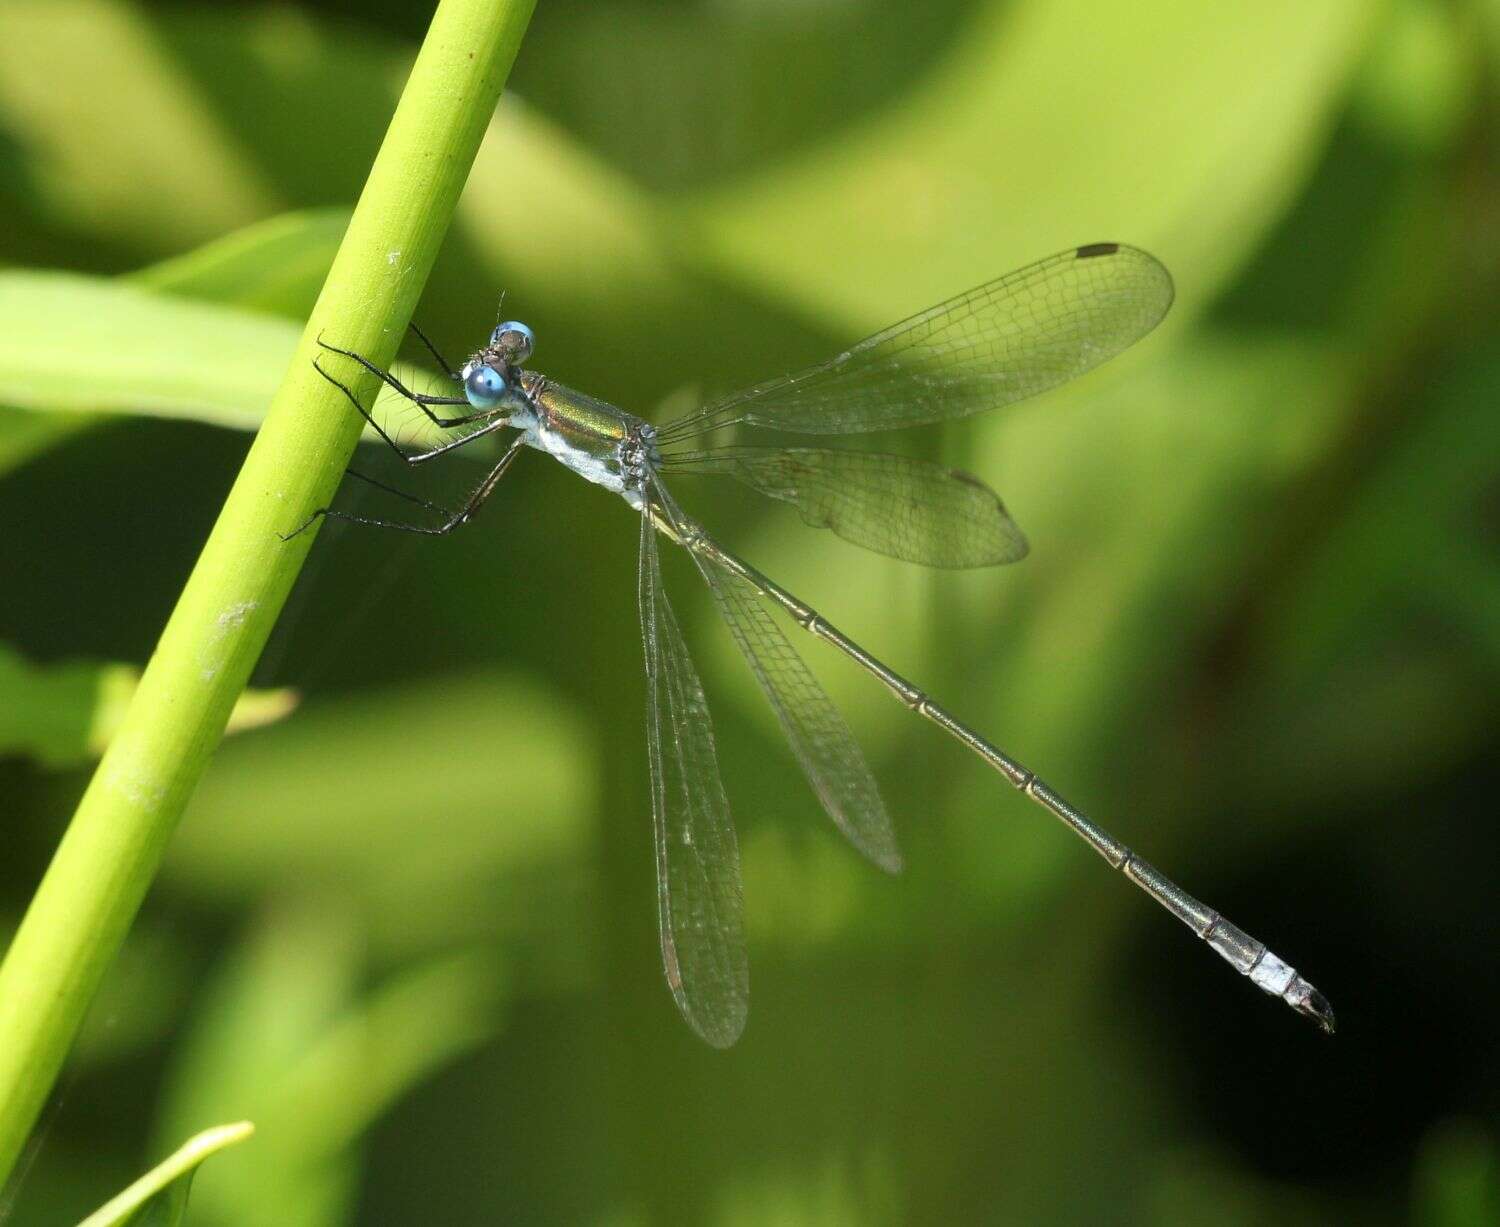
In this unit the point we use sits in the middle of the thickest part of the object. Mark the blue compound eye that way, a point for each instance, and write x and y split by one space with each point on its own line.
485 387
514 340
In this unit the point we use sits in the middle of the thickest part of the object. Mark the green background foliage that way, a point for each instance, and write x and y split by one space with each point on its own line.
408 929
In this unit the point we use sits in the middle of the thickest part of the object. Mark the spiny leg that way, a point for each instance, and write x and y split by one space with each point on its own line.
405 495
422 400
455 519
413 458
437 357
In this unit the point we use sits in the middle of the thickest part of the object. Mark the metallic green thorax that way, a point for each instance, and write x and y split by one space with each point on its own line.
594 426
589 436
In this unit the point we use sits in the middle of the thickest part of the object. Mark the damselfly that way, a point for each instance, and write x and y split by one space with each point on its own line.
1011 338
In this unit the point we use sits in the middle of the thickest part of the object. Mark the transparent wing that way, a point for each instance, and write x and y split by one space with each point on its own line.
697 859
894 505
1021 334
820 740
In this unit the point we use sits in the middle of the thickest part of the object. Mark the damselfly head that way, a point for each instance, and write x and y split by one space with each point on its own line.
485 386
513 341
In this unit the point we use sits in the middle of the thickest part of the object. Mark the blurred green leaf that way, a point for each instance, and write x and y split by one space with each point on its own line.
78 344
1390 613
72 71
1487 17
169 345
411 799
822 1189
159 1198
711 88
277 266
562 223
284 1031
1032 138
1457 1181
24 435
65 714
1417 86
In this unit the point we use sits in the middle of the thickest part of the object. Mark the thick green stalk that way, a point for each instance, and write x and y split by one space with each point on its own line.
112 848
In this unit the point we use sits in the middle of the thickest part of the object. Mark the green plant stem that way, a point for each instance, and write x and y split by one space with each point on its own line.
111 850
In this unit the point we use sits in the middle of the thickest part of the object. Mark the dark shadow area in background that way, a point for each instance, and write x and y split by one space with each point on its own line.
1391 911
1387 906
697 96
113 520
